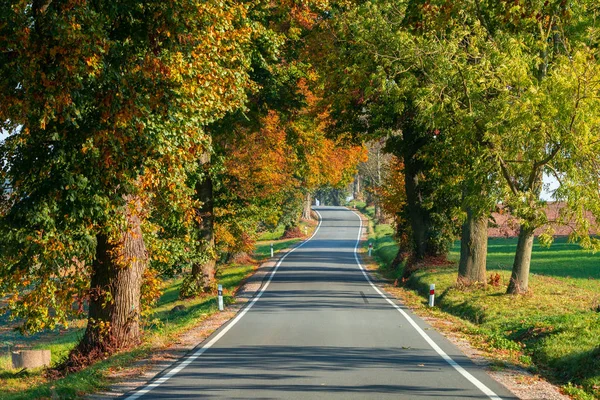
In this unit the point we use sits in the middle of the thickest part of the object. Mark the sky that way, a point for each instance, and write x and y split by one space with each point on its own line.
552 184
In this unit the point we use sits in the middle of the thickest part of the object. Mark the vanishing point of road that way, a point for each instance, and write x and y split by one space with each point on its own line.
319 329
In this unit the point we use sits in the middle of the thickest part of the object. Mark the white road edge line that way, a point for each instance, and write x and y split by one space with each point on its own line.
487 391
189 359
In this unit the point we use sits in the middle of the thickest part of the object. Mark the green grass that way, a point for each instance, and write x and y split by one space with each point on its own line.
272 235
554 330
562 259
263 249
263 245
385 248
162 326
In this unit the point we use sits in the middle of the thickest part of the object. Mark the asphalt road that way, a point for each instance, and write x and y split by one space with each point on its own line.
320 330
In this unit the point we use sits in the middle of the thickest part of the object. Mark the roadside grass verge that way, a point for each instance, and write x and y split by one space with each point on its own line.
162 327
263 245
553 331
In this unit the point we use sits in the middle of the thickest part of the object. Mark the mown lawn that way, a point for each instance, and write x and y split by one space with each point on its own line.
553 331
561 259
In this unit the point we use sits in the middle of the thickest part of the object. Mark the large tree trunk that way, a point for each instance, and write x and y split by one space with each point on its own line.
418 217
519 279
307 210
378 213
473 249
114 305
202 277
422 225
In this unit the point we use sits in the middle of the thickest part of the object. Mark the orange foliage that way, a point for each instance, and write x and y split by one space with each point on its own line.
261 163
393 196
326 162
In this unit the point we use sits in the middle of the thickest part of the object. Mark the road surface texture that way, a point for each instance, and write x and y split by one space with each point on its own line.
320 330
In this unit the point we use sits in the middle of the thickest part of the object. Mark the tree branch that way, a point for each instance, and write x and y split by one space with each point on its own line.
507 175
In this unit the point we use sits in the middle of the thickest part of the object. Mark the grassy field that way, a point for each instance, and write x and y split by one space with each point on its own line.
161 328
553 331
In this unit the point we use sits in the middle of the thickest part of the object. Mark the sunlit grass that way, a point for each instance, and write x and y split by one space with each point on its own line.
554 330
161 327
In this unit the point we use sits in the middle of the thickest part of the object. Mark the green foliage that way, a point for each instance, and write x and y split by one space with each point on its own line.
162 326
553 330
104 102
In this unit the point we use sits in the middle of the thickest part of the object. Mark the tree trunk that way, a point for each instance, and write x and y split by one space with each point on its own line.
307 210
519 279
356 189
202 278
473 249
114 305
418 218
378 213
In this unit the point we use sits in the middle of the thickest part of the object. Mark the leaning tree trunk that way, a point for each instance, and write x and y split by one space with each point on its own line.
473 249
307 210
519 279
114 305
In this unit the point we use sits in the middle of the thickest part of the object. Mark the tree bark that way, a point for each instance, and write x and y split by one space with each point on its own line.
203 273
419 220
357 194
307 210
378 212
519 279
202 277
473 249
114 305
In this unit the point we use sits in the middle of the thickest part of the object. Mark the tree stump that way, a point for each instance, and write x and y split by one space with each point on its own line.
30 359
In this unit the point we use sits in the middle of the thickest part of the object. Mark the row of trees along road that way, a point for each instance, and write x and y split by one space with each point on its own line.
144 136
477 100
147 136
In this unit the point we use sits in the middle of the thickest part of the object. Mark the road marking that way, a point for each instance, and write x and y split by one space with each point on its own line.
487 391
189 359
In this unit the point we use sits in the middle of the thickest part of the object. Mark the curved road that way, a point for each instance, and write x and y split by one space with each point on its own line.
320 330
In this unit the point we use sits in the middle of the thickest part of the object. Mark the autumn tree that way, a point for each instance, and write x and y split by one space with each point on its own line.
274 69
373 71
105 104
374 172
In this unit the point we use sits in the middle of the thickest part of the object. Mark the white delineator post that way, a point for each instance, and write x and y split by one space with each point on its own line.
431 294
271 249
370 248
220 292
